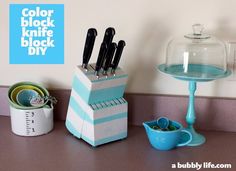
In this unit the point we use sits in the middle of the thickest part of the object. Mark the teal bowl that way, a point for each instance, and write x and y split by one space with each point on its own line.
25 96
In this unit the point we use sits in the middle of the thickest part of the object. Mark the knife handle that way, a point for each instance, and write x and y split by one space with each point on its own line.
120 47
109 34
100 59
109 56
89 43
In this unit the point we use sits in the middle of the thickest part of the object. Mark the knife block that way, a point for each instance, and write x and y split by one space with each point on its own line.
97 111
94 90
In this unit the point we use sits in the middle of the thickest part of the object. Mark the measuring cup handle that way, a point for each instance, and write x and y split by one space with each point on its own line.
187 142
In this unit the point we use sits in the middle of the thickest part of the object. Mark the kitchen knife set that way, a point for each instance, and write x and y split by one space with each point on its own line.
108 50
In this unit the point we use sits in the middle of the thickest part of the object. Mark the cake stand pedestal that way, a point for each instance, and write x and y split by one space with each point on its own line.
198 139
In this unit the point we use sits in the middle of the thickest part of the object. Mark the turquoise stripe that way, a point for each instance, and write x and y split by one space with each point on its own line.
99 95
110 118
79 111
84 116
112 138
76 133
77 83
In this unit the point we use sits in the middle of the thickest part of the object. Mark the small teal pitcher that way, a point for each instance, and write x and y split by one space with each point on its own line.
167 140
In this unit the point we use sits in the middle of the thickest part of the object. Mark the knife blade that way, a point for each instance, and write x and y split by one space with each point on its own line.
101 57
108 36
119 50
88 48
109 56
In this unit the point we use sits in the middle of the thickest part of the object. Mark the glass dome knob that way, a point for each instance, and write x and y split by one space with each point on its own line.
197 33
197 29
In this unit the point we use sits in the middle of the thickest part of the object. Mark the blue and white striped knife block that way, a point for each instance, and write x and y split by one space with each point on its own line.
97 111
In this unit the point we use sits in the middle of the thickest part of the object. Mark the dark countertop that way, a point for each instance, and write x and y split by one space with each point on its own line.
60 151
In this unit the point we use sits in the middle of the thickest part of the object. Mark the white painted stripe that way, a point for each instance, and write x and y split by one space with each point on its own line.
111 128
75 120
101 113
119 73
96 132
81 126
86 80
109 83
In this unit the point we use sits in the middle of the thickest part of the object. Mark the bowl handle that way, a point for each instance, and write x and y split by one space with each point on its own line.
189 140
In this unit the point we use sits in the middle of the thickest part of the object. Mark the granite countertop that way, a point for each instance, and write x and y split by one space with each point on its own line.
61 151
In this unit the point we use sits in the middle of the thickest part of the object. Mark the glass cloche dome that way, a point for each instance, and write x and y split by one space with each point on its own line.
197 56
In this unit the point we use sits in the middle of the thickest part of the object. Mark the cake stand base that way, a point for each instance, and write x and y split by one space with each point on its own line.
198 139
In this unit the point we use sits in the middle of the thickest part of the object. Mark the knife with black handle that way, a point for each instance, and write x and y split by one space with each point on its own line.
109 56
101 57
119 50
108 36
88 48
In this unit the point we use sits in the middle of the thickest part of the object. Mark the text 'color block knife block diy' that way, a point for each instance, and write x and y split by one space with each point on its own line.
97 111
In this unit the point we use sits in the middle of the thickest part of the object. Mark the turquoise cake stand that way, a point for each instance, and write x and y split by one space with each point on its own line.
196 73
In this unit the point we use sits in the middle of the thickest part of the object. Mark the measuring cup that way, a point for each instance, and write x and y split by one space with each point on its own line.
166 140
163 122
31 122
